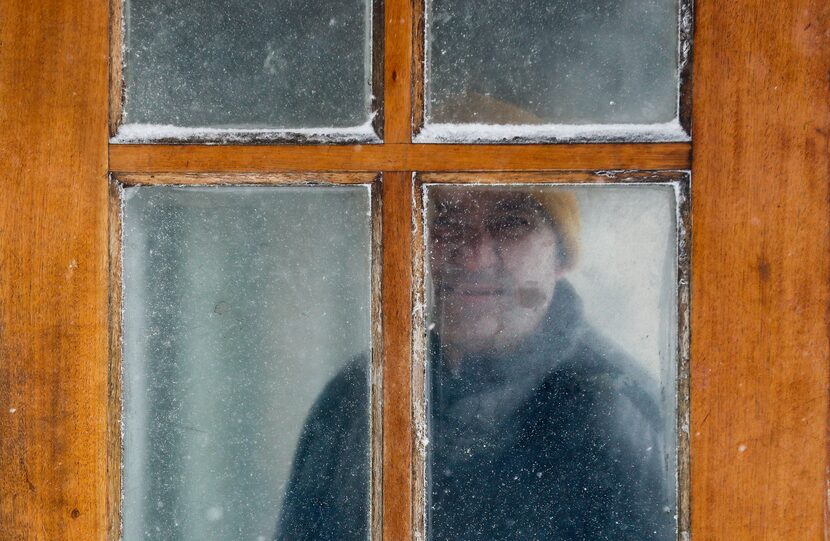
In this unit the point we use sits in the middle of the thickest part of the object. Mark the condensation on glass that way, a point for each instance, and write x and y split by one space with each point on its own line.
551 362
302 66
246 343
562 70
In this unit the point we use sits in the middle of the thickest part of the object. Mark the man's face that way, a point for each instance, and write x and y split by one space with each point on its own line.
493 261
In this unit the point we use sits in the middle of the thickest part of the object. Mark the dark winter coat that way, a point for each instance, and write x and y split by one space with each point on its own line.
562 439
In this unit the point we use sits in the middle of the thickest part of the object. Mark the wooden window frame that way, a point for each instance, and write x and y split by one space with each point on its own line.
118 182
760 280
679 180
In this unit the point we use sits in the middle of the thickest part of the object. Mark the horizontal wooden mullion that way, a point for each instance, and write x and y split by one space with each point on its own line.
202 179
398 157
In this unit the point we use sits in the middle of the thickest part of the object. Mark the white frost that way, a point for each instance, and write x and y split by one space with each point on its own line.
482 133
148 133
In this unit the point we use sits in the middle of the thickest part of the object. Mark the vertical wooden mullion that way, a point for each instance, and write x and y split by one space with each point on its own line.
397 512
116 65
53 269
397 351
418 65
114 383
397 83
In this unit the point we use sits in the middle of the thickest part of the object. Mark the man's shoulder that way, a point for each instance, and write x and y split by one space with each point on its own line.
600 376
344 401
351 378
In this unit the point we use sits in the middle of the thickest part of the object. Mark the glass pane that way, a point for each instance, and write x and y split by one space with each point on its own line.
246 348
542 62
551 364
260 64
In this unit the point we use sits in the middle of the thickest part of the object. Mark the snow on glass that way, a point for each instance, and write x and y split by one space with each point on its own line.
541 70
551 362
272 67
246 332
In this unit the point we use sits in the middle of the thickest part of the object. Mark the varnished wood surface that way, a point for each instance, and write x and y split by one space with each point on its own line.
761 279
377 362
418 67
114 382
397 83
116 65
397 354
53 270
273 179
397 157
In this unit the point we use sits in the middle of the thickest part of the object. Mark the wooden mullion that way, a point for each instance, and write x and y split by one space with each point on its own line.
54 274
418 65
116 65
397 353
114 382
398 157
397 84
266 179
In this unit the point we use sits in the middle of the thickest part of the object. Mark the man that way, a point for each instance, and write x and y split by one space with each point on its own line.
539 427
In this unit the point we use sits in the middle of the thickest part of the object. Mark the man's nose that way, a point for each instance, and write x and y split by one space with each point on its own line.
481 251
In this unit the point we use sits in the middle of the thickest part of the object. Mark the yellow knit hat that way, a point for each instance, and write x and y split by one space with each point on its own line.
563 210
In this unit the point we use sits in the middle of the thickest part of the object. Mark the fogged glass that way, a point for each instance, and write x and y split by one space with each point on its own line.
246 363
551 364
564 61
253 64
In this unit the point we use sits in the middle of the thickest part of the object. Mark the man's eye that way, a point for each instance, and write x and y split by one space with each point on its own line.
512 225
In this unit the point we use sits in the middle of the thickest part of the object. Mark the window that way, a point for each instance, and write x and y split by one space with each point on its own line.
758 360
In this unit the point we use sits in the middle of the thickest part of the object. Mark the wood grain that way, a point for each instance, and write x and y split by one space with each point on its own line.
397 354
273 179
398 157
378 54
53 269
397 83
418 65
761 270
114 382
116 65
377 361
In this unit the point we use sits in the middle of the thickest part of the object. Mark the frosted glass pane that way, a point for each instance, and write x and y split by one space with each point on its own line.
253 64
551 364
246 362
562 62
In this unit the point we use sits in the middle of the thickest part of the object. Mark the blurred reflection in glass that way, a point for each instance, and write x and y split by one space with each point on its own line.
563 62
540 427
254 64
241 304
